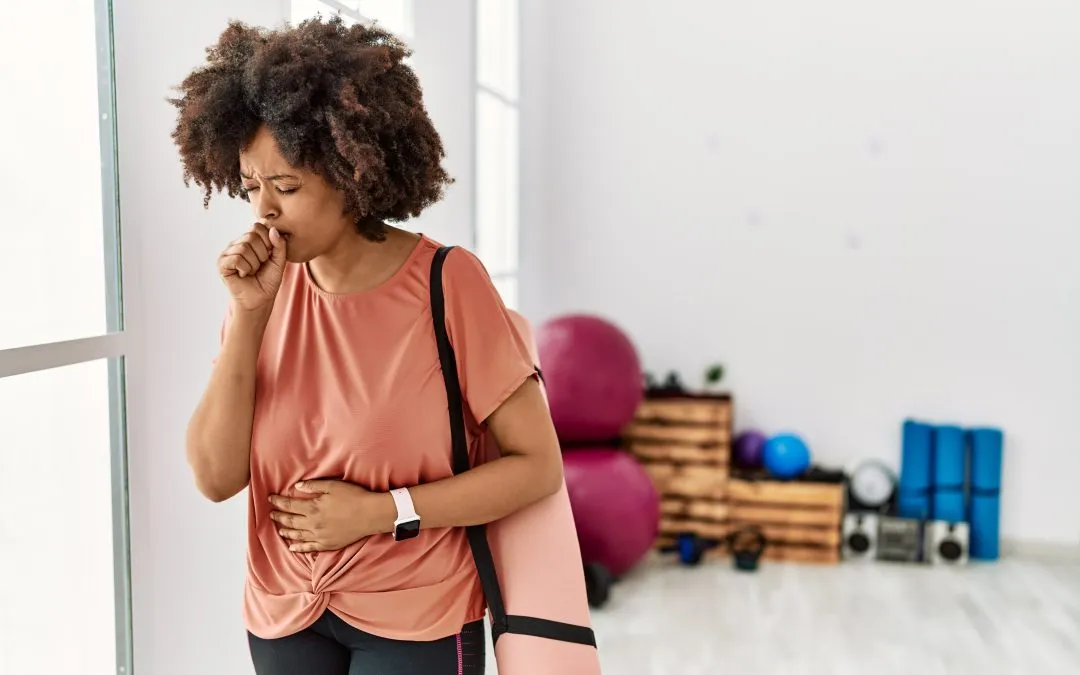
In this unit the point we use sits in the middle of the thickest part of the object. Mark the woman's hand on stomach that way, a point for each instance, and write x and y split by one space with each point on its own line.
337 515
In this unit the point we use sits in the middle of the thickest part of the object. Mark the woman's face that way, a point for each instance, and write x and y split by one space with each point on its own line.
299 203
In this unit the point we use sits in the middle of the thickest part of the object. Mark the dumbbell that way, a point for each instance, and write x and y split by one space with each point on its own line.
690 547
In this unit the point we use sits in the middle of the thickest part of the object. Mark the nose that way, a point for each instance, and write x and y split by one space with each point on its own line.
266 207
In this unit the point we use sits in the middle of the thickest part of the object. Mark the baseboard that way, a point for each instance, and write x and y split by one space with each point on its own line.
1040 550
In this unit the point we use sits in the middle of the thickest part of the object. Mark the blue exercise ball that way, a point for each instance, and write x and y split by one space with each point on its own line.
785 456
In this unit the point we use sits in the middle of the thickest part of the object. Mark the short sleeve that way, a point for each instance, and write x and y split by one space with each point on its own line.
492 356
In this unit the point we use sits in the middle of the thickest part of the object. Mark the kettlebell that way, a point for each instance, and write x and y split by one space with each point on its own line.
747 544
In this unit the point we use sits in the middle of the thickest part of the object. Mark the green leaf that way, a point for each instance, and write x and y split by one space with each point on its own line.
714 374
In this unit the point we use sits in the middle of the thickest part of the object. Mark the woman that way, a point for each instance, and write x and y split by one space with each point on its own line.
327 399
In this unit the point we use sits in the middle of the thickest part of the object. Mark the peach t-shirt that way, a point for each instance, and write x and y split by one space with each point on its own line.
349 387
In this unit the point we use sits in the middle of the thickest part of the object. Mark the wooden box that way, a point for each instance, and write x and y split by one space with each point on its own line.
801 520
684 443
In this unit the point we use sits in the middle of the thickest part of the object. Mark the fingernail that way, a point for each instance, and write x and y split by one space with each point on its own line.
300 485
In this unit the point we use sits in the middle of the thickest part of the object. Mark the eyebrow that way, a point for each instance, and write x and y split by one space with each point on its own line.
274 177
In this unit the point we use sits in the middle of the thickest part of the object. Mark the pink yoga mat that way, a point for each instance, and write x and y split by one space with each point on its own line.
539 565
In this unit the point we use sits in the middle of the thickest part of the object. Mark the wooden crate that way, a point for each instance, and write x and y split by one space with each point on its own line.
684 443
800 519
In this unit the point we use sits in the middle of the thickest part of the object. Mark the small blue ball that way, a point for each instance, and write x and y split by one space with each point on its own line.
785 456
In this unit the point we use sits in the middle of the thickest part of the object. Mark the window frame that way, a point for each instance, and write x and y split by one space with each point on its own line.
111 346
481 89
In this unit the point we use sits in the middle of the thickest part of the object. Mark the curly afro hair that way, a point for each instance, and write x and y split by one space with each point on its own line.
338 100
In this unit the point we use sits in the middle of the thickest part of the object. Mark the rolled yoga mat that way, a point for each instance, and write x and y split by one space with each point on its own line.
916 461
949 499
987 446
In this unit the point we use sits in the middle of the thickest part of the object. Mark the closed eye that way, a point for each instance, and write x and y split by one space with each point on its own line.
283 191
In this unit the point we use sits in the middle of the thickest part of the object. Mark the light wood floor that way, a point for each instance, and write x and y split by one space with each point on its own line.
1013 617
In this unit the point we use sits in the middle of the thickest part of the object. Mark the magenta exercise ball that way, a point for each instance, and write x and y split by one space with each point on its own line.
615 504
593 377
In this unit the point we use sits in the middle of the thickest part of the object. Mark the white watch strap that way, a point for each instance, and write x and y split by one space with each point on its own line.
403 501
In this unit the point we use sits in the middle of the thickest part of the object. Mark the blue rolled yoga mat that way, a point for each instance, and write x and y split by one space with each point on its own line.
916 463
949 505
950 470
913 504
987 446
949 457
916 456
985 541
986 450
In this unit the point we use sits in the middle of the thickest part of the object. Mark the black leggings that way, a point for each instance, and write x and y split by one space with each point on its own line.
332 647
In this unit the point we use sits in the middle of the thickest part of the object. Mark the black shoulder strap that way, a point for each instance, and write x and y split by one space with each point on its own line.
477 534
485 565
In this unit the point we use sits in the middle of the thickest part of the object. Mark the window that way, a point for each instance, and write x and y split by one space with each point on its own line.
496 219
62 348
395 16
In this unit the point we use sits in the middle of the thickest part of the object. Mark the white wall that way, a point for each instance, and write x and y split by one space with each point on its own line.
444 63
866 210
188 554
534 99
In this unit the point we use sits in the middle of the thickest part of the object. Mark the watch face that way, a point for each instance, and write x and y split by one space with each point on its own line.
872 484
407 530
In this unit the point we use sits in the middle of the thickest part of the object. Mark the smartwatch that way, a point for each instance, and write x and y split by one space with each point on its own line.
407 524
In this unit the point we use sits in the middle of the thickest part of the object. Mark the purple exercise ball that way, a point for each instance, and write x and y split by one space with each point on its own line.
749 446
593 377
616 507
